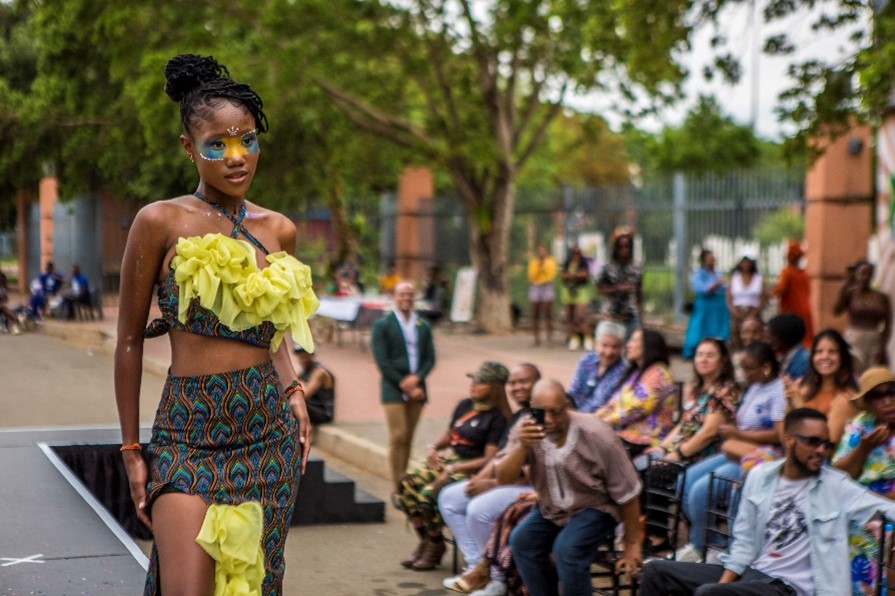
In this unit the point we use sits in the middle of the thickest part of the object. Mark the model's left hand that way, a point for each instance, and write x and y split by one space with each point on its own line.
631 560
300 412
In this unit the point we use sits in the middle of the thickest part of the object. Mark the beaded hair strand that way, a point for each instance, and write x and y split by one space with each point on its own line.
200 85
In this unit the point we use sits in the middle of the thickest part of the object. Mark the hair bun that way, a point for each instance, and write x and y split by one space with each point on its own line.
186 72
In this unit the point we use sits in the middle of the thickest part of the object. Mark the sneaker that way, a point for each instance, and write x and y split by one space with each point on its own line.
588 344
574 343
688 554
495 587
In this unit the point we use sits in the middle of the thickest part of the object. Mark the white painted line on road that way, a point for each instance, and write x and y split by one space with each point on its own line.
11 561
97 507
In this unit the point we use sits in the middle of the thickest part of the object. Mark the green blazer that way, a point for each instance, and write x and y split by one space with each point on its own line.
390 353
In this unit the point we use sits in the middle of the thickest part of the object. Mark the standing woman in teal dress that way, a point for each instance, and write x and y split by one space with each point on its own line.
218 480
710 317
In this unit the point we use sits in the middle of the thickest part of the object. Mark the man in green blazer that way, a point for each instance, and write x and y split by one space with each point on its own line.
405 354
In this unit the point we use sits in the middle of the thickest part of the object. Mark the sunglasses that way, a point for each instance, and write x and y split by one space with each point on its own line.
880 394
815 442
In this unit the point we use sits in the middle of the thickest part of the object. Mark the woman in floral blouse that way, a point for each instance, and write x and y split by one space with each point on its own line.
642 407
714 397
867 454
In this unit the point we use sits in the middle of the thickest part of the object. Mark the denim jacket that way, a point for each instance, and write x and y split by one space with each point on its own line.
834 501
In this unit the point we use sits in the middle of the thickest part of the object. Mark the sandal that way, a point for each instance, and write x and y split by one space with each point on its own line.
470 580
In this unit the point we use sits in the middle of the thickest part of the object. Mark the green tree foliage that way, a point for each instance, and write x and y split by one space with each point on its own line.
492 77
82 88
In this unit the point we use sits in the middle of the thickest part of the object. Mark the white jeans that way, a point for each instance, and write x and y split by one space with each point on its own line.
471 518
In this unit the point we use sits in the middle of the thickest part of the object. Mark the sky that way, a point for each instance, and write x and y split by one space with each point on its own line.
762 79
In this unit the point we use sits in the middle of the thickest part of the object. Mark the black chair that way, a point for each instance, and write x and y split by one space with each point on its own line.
663 491
724 499
885 562
603 570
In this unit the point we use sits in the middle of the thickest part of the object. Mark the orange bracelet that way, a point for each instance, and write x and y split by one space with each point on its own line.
131 447
295 387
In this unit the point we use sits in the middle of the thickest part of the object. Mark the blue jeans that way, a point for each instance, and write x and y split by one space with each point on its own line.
696 491
573 545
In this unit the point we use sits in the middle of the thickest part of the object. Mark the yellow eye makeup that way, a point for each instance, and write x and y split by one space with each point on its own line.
218 148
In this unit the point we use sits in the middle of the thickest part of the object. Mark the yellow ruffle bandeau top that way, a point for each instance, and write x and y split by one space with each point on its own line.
222 275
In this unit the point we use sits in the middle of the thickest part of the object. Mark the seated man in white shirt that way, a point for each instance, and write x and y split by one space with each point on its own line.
791 530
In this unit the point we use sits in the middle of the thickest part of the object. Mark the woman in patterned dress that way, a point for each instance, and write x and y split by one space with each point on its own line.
227 447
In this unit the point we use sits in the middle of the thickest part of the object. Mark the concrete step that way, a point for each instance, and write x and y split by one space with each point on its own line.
328 497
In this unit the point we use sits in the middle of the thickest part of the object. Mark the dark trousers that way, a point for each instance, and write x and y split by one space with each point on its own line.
573 546
663 578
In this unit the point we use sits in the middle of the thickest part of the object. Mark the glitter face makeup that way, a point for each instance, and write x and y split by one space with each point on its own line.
219 148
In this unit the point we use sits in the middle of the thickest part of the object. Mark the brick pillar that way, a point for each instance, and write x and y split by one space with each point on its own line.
48 195
24 198
838 218
415 226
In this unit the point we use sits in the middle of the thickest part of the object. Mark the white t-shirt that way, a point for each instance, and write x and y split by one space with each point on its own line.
786 551
743 295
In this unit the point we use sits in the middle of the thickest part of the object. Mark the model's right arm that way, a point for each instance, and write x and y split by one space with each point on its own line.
143 256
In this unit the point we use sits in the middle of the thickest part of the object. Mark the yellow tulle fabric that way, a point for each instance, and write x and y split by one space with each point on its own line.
222 273
231 535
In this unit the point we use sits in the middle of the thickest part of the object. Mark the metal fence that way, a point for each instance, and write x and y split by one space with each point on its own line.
673 218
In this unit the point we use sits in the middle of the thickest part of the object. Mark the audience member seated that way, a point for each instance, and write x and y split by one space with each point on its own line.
77 296
790 528
866 454
585 485
641 409
470 507
467 445
759 424
44 289
599 372
751 329
830 383
346 284
785 333
714 397
8 315
319 387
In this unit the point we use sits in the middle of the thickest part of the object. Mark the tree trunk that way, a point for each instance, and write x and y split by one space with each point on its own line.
488 249
346 240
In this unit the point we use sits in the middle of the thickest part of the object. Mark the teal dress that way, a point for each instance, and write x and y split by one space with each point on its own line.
710 317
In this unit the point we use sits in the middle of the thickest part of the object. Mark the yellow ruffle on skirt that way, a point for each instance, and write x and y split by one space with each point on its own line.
231 535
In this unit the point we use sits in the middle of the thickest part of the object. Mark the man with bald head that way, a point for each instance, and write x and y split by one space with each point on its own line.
585 484
405 354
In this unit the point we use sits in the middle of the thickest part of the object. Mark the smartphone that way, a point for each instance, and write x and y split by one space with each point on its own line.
538 415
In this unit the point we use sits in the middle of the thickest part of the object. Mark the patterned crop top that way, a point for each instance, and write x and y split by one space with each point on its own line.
215 288
201 321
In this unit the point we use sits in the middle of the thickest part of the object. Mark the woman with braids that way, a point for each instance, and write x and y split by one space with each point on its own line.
217 482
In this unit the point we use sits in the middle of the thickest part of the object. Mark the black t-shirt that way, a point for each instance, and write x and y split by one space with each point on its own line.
471 431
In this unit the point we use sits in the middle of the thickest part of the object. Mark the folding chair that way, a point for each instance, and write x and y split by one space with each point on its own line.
603 570
663 491
885 562
724 499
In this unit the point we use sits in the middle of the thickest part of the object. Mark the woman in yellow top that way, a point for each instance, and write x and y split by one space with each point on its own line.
218 480
541 273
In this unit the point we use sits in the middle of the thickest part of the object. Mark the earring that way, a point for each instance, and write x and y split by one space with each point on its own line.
192 159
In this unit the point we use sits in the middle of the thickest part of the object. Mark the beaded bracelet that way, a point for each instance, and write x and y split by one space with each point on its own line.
131 447
294 387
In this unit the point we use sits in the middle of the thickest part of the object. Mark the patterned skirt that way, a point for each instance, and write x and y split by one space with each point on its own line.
228 438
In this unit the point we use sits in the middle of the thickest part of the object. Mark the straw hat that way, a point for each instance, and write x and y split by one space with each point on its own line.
871 379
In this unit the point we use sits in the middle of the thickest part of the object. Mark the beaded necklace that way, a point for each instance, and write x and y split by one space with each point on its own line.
235 220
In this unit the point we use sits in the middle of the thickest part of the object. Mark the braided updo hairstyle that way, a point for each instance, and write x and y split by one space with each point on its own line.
200 85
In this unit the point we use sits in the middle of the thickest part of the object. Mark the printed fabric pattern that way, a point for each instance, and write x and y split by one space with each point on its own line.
724 399
229 438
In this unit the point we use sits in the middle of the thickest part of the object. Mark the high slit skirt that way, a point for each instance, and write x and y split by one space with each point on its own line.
228 438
